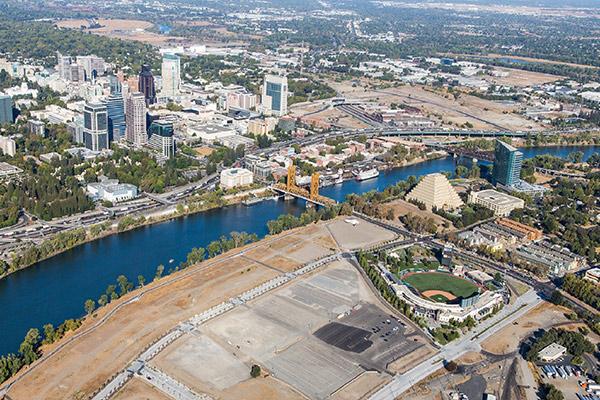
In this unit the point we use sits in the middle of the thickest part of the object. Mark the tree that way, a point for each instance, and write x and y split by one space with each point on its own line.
461 171
89 306
196 255
499 278
575 156
255 371
141 280
159 271
48 333
124 285
30 345
103 300
475 172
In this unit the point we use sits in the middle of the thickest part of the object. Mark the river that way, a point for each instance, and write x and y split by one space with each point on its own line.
55 289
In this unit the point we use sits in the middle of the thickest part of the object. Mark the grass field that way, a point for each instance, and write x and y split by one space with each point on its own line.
440 281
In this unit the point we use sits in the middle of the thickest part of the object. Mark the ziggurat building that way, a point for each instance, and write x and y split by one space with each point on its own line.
435 190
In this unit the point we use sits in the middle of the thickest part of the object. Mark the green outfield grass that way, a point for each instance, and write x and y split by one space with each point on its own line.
440 281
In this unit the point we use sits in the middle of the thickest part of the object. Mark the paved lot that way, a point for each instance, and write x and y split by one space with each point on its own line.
313 368
309 335
198 358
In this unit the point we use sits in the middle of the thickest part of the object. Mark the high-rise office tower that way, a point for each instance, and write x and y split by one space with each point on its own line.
171 75
63 66
161 138
507 164
274 95
95 126
114 84
146 85
115 107
135 119
6 110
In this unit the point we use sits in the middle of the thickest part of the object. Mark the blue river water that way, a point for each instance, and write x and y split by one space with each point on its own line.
55 289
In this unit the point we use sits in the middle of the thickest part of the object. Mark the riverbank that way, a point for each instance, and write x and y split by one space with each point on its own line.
135 221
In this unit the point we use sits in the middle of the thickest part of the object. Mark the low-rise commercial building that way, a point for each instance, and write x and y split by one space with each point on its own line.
111 190
500 203
36 127
236 177
208 133
552 352
8 170
527 231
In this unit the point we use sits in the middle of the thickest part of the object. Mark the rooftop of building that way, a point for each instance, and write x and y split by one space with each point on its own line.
496 197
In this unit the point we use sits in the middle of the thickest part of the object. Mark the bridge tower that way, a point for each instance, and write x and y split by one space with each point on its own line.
314 186
291 177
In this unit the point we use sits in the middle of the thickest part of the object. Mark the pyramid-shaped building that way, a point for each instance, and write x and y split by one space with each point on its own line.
435 190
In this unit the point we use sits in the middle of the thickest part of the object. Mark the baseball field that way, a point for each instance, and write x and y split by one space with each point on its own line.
441 285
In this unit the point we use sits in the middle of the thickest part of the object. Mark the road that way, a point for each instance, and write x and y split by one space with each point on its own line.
469 342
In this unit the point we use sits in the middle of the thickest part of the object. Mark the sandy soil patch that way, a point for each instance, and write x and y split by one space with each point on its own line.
352 237
431 293
361 386
137 389
541 317
264 388
442 107
405 363
198 361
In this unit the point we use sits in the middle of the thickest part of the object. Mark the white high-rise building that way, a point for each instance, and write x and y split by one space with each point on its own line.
171 75
92 65
135 119
63 65
274 95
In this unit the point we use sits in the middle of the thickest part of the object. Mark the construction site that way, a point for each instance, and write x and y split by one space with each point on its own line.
292 304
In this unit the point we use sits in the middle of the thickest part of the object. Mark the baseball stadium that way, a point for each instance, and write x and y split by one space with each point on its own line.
443 296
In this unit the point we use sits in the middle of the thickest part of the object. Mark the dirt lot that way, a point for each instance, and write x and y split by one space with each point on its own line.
508 339
402 207
121 29
139 390
442 107
114 342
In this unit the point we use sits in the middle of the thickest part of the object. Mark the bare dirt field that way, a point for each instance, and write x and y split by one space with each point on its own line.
121 29
113 343
541 317
137 389
442 107
521 78
401 208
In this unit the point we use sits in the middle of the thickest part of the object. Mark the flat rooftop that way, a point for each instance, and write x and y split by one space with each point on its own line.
496 197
